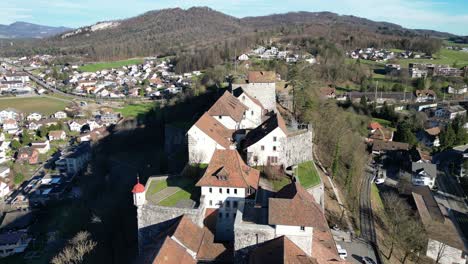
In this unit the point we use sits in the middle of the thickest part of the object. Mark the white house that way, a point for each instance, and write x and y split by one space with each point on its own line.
76 125
243 57
265 144
57 135
8 114
4 189
450 112
4 172
93 125
261 85
75 159
10 126
227 182
255 112
424 174
228 111
34 117
60 115
41 146
205 136
453 90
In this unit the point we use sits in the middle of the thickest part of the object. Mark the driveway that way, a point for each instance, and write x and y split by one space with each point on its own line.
357 249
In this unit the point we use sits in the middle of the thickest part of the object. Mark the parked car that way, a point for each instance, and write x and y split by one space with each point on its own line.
343 253
367 260
379 180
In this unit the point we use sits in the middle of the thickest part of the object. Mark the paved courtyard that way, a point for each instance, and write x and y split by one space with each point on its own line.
357 249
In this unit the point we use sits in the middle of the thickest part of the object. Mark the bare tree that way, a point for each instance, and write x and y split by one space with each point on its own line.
80 245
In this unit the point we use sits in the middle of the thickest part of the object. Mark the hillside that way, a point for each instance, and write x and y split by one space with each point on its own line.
176 31
28 30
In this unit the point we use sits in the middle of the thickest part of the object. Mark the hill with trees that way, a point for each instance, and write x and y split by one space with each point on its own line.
201 37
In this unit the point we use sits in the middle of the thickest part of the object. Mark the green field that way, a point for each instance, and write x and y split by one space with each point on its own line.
109 65
43 105
307 174
444 56
133 110
279 184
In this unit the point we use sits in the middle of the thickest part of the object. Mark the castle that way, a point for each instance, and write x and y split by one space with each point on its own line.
237 218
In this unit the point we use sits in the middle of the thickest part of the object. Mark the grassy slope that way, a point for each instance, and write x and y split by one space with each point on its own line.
43 105
307 174
133 110
109 65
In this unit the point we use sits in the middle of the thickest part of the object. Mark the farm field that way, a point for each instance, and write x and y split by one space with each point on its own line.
108 65
444 56
43 105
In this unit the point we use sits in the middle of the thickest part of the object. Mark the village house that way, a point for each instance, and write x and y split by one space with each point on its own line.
378 132
261 85
42 146
445 243
57 135
454 90
328 93
110 118
10 126
423 96
243 57
4 189
74 160
94 135
34 117
8 114
424 174
381 146
205 136
60 115
4 172
450 112
228 111
76 125
430 137
28 154
13 242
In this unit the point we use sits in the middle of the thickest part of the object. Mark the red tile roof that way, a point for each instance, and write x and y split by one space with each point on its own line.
228 105
278 251
261 77
189 234
227 169
173 253
215 130
138 188
324 247
374 125
294 206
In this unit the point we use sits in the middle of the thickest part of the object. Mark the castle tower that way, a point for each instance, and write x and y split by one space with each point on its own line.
138 193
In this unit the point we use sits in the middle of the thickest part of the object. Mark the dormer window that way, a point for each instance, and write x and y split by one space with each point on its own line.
221 174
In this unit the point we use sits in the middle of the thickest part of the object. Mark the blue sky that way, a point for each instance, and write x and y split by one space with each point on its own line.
443 15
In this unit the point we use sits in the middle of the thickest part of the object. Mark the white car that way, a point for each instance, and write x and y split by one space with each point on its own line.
379 180
343 253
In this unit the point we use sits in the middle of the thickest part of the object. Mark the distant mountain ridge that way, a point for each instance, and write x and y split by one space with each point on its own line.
175 31
28 30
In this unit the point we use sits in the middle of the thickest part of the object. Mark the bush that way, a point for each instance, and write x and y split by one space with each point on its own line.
19 178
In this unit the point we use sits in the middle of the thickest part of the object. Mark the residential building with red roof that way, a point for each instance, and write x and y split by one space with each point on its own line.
205 136
228 111
226 182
